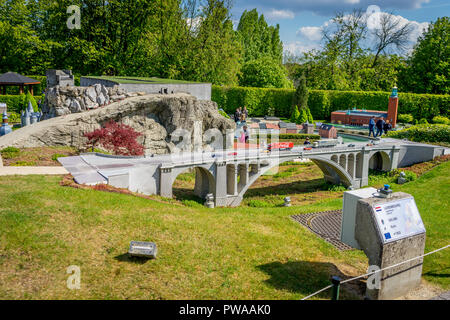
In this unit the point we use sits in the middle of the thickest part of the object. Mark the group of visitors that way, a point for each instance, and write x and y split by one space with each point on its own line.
381 126
241 115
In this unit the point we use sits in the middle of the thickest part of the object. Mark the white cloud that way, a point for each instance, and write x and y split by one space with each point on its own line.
311 33
373 23
280 14
328 7
194 23
297 48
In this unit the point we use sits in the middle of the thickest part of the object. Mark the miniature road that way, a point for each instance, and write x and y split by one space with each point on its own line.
92 169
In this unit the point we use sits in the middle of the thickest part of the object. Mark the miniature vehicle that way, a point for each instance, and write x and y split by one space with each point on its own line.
326 143
307 148
280 146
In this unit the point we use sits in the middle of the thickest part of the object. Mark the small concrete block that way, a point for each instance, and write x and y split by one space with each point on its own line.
143 249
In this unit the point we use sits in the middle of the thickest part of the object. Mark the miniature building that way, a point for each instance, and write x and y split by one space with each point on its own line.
328 131
62 78
272 126
308 128
283 127
291 128
2 107
362 117
5 128
29 116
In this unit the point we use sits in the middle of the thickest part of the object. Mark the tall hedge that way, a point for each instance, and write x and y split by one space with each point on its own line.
257 100
17 103
323 102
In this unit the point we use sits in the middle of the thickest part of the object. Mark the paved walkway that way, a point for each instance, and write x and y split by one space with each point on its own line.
24 171
444 296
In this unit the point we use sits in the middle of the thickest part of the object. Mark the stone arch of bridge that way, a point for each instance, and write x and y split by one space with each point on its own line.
204 179
332 171
380 160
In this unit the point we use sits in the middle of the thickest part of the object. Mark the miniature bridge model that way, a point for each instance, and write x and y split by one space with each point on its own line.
227 174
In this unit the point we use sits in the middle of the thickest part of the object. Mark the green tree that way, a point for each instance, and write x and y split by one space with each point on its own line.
265 73
214 51
258 38
29 98
303 116
300 97
295 114
429 65
309 116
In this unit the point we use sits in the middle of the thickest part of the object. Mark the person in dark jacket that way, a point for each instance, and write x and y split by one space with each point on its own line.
245 114
237 115
387 127
307 142
372 126
380 126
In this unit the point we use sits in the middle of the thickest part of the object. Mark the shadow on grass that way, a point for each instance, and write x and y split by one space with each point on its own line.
289 188
306 277
437 273
182 194
127 258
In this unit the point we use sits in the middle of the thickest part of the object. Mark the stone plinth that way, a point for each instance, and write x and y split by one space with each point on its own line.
397 281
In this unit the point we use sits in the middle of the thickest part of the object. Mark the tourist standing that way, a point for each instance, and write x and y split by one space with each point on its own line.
380 126
246 134
245 114
307 142
372 126
237 115
387 127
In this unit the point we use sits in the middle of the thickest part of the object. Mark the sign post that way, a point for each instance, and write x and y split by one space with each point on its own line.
391 231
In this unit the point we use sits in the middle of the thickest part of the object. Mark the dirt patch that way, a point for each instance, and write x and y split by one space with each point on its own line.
68 181
41 157
421 168
425 291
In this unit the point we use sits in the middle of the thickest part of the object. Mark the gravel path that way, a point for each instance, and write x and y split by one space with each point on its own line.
24 171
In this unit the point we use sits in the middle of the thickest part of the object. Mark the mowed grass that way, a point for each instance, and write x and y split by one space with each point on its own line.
223 253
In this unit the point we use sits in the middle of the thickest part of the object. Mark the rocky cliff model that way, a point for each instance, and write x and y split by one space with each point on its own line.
63 100
155 116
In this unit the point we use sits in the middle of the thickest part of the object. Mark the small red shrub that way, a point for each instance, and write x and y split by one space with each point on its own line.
118 138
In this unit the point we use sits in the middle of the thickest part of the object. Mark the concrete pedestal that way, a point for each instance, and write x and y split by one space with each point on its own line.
397 281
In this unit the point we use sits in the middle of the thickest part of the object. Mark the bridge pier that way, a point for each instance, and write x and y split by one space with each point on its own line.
221 184
364 173
395 152
232 179
165 189
244 176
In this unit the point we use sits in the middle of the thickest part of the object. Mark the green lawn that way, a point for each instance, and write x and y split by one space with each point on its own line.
224 253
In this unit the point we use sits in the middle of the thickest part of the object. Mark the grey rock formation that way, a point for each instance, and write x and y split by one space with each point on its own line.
61 101
155 116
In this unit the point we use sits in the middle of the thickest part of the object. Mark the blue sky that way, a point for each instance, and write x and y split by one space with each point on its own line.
301 20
